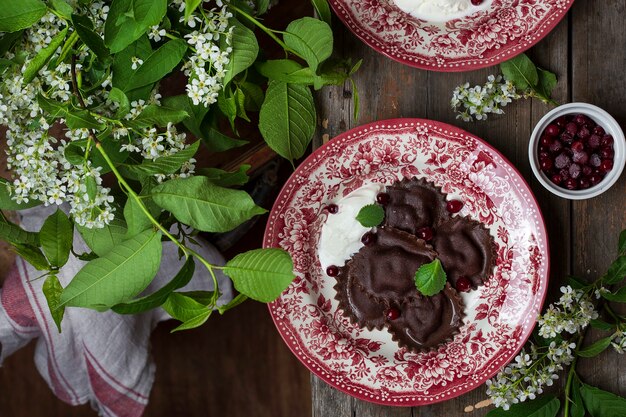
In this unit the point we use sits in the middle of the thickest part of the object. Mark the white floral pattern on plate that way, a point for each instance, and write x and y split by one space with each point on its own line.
499 316
481 39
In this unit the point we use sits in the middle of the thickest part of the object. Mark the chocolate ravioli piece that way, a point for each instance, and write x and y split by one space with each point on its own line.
385 269
360 308
414 204
465 248
426 322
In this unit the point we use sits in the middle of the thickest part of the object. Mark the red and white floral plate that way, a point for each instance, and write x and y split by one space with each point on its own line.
487 37
499 316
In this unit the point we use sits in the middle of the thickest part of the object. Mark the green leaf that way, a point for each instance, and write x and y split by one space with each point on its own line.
577 408
576 283
245 51
7 203
600 403
547 82
136 219
52 290
160 63
190 7
521 72
239 299
287 119
595 348
291 72
16 15
545 406
195 114
254 96
430 278
102 240
123 61
37 63
219 142
125 271
601 325
616 272
355 100
261 274
62 8
311 38
8 40
224 178
74 118
617 296
159 297
117 96
12 233
112 148
56 237
197 202
277 68
32 255
228 106
84 28
621 247
154 115
163 165
323 10
128 20
371 215
186 309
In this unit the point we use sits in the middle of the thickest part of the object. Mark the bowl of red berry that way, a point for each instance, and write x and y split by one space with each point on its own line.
577 151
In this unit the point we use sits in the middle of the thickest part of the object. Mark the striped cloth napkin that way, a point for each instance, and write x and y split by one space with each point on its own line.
100 358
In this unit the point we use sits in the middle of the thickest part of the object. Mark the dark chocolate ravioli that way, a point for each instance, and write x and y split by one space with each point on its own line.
360 308
465 248
385 269
425 322
414 204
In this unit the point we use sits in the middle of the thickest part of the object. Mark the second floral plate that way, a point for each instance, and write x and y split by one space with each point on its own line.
499 316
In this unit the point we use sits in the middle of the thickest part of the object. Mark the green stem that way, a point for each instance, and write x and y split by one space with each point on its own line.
609 310
209 268
570 377
264 28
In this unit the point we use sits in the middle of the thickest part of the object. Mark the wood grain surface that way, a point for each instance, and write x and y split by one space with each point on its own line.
587 50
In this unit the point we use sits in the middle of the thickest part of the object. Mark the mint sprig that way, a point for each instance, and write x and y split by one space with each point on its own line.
371 215
430 278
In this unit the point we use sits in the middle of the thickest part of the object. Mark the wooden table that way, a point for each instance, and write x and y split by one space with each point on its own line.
587 50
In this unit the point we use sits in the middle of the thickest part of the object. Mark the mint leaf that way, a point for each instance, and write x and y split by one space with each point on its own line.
184 308
595 348
125 271
56 236
261 274
521 72
52 290
311 38
600 403
102 240
43 56
287 119
16 15
159 297
547 406
245 51
199 203
616 272
371 215
430 278
323 10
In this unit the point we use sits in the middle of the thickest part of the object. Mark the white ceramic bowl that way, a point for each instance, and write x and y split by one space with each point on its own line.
603 119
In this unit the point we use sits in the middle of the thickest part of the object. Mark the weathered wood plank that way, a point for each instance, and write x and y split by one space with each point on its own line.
598 77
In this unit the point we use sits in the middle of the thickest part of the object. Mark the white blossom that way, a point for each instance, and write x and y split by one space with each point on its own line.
477 102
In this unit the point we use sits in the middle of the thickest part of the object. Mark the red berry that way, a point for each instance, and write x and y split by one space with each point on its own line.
332 271
577 146
583 133
595 160
477 2
607 140
584 183
567 137
463 284
562 161
574 171
425 233
599 130
552 130
564 173
607 152
594 141
580 157
562 121
557 179
546 141
556 146
606 165
332 208
454 206
543 155
572 128
545 164
587 170
382 198
595 179
571 184
368 238
393 313
581 119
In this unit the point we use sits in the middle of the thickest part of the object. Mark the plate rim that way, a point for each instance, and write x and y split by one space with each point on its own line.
541 222
481 62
